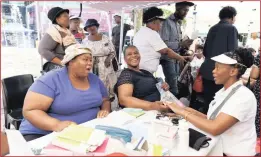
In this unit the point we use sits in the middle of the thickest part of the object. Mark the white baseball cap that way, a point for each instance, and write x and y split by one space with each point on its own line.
74 17
117 14
224 59
73 51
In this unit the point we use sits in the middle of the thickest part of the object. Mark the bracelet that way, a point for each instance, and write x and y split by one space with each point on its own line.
186 116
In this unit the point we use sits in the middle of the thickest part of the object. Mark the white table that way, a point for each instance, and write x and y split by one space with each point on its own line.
139 127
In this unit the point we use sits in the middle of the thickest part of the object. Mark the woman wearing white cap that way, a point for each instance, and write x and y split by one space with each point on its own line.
78 32
68 95
232 112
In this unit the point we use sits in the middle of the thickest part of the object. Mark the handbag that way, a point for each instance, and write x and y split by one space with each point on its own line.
198 83
248 83
198 140
49 66
115 64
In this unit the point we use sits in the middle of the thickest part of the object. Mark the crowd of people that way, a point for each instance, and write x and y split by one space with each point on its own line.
86 83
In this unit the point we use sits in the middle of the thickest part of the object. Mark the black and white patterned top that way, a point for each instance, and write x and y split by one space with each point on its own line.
257 85
257 94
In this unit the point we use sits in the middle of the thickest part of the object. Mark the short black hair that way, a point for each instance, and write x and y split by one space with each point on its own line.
127 47
227 12
150 14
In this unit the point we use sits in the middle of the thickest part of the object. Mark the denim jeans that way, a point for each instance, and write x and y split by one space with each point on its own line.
170 69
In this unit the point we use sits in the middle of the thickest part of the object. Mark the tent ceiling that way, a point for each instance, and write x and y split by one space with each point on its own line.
116 6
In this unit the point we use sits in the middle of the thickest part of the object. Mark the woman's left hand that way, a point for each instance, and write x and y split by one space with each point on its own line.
165 86
102 113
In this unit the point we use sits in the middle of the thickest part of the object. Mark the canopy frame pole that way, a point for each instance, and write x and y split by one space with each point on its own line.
38 26
121 36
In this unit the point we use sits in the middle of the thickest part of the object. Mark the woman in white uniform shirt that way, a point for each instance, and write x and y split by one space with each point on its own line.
235 121
149 42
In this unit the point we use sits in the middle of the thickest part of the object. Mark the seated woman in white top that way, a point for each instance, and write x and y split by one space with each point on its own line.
235 121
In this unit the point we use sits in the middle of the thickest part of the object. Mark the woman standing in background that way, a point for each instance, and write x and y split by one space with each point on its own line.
103 53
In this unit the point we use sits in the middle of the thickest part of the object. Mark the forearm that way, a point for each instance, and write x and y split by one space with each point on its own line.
106 105
4 144
56 60
41 120
173 55
132 102
196 112
202 123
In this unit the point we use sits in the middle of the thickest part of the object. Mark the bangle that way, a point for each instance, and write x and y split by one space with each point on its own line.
187 115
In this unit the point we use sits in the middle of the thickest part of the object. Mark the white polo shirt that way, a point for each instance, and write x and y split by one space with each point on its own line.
240 139
148 43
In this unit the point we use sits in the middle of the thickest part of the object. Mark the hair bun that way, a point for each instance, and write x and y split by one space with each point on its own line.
246 56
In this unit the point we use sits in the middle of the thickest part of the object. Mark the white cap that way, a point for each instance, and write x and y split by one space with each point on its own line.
74 17
224 59
73 51
117 14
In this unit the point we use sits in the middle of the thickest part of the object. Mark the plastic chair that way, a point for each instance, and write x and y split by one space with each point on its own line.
14 91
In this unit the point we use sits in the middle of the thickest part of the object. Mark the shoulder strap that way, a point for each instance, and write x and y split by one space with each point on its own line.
62 39
214 114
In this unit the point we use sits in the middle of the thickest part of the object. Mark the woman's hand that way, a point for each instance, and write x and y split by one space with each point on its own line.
62 125
174 107
165 86
159 106
102 113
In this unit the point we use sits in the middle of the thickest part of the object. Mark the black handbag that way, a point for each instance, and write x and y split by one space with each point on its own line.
248 83
49 66
198 140
115 64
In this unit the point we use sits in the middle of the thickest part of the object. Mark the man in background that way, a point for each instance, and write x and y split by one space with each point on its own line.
171 34
221 38
116 32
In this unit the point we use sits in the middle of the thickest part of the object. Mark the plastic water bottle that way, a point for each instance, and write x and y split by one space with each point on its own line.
183 134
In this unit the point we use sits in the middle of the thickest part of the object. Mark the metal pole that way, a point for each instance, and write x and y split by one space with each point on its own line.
108 14
121 36
38 25
195 17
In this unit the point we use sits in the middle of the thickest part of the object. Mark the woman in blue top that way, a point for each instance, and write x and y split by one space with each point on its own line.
65 96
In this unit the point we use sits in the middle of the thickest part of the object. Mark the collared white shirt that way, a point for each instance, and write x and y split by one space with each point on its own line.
149 43
240 139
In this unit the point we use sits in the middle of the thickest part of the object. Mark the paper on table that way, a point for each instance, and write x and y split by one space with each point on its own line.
79 139
134 112
17 144
116 119
55 150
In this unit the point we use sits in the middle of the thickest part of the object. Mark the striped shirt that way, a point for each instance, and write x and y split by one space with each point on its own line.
171 32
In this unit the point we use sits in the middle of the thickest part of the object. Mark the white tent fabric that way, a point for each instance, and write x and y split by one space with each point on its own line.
123 5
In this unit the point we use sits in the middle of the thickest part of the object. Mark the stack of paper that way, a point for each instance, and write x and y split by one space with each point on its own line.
116 119
80 139
134 112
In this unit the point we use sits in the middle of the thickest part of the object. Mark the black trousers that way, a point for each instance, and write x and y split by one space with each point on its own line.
209 90
117 49
31 137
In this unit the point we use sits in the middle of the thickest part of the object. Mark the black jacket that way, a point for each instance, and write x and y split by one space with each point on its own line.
221 38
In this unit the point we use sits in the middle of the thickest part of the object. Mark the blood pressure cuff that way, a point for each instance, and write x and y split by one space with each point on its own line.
198 140
117 133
